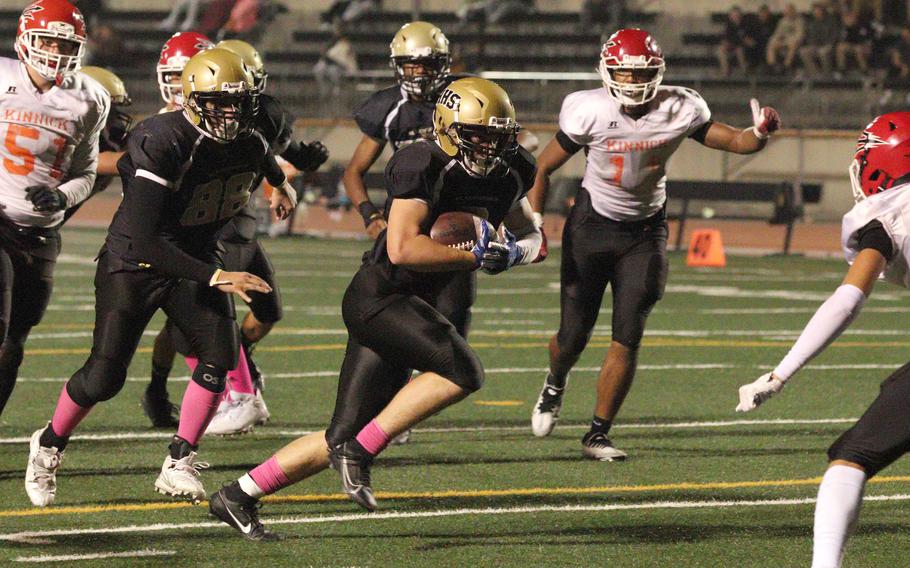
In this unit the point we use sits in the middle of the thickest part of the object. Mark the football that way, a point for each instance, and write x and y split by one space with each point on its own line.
458 229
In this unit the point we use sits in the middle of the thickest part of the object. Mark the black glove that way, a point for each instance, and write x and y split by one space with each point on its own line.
306 157
46 199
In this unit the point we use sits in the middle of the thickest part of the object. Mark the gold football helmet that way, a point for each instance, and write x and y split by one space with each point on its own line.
219 94
475 121
111 83
118 122
250 56
420 57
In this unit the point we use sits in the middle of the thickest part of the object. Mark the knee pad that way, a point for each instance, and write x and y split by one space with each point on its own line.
210 377
98 380
467 371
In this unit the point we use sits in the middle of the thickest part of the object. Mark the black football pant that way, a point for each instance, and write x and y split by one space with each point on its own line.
629 256
126 298
882 434
27 259
252 258
390 334
455 298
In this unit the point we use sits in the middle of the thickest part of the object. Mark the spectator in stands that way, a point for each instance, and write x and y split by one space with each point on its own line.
786 39
216 15
105 48
760 28
189 9
337 58
494 11
241 21
600 15
349 11
900 55
822 31
733 43
855 41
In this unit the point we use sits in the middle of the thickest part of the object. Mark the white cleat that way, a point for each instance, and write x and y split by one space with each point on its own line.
546 411
597 446
264 414
180 478
41 472
237 414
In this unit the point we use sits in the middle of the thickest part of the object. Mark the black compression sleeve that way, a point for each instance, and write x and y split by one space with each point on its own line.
147 200
873 236
273 172
701 132
567 144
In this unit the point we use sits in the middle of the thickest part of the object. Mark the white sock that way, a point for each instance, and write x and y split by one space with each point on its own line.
829 321
249 487
840 496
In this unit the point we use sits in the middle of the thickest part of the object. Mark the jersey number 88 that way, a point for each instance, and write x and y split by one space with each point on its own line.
217 200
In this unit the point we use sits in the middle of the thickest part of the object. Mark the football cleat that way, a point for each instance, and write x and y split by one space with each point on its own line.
41 471
160 410
236 414
180 478
402 439
353 465
596 446
259 387
263 410
242 516
546 411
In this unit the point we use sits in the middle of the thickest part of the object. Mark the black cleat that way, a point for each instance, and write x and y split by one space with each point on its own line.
353 463
160 410
242 516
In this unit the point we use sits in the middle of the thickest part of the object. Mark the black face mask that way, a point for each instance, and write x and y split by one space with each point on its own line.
226 125
428 84
484 149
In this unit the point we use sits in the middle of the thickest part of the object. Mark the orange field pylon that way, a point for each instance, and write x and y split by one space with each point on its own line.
706 249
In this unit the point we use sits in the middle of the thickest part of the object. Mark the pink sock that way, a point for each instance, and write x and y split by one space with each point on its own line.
191 362
372 438
196 411
67 415
240 379
269 477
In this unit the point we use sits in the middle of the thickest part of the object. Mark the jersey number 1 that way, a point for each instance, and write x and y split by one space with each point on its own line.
617 162
216 199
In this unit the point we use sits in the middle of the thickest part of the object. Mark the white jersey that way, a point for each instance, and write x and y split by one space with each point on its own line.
625 171
49 139
891 208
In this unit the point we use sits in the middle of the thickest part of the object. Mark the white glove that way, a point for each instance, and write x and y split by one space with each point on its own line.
765 120
753 394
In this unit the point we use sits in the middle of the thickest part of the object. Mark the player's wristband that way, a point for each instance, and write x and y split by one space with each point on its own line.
369 212
216 280
538 219
759 135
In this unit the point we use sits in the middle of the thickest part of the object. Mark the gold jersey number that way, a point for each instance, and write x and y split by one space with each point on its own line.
217 200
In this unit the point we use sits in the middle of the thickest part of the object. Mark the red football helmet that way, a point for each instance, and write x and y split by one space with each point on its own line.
174 55
51 20
631 49
882 157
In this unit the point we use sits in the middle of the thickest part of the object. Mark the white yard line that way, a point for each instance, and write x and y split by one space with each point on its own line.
30 536
145 435
96 556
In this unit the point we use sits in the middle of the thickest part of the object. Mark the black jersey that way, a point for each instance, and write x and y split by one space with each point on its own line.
423 171
276 126
392 116
207 182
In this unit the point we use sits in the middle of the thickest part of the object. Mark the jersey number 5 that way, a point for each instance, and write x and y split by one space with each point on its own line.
216 200
27 165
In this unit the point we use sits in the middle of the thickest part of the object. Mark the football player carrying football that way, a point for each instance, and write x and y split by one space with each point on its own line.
51 120
474 165
616 232
243 405
398 116
185 175
876 244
